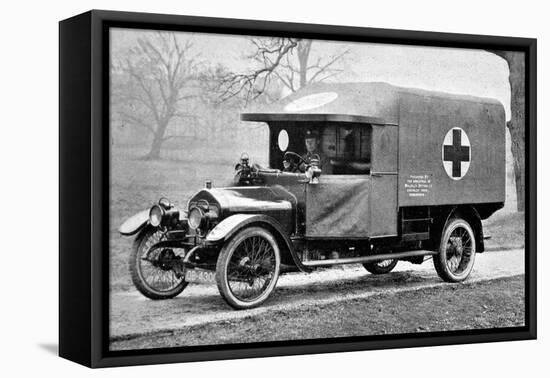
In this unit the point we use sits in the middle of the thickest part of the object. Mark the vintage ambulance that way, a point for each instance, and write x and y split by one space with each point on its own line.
406 174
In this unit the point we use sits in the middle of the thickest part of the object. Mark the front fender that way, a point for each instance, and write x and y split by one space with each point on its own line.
232 224
135 223
229 226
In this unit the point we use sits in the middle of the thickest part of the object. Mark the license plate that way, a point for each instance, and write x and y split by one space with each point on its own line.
200 276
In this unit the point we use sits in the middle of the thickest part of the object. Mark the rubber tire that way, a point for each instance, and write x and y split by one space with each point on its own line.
440 259
139 283
223 261
374 268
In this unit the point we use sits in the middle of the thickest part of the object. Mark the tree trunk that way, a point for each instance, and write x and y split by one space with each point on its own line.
518 152
156 145
517 122
303 56
516 125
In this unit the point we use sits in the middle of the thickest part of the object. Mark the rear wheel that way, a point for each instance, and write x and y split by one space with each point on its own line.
156 273
248 268
380 267
455 259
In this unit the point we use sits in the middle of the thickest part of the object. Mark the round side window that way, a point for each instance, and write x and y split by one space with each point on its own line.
283 140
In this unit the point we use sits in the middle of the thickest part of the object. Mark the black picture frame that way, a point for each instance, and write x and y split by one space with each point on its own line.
84 191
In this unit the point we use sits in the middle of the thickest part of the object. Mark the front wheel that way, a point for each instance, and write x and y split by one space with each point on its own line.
248 268
381 267
156 273
455 258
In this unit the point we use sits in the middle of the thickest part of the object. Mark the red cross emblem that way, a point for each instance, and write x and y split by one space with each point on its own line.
456 153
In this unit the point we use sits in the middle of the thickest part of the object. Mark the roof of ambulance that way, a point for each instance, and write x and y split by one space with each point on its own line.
375 102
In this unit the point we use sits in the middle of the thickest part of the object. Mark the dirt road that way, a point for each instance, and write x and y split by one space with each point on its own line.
132 314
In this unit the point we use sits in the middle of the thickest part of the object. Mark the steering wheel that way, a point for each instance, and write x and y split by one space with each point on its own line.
295 156
298 160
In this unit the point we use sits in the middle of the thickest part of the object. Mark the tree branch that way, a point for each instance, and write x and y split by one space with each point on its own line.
325 67
270 54
136 121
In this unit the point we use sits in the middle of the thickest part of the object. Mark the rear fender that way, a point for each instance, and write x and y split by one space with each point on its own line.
135 223
471 215
231 225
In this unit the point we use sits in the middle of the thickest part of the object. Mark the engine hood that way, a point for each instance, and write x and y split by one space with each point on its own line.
248 199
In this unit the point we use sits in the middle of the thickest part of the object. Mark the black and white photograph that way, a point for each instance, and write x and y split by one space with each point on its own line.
272 189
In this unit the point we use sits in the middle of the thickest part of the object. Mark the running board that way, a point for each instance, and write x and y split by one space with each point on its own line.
366 259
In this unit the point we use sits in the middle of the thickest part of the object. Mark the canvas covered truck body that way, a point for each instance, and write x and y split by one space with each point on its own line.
425 150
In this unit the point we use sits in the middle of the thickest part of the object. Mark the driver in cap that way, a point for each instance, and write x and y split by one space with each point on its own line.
313 152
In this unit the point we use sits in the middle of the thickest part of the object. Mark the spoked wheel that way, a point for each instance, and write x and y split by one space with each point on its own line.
457 251
156 272
380 267
248 268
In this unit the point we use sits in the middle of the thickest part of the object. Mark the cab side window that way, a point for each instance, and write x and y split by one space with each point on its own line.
348 146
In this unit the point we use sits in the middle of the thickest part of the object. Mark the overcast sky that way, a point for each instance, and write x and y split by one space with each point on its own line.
463 71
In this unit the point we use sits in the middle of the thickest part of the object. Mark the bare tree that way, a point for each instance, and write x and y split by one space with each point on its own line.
299 73
284 59
516 125
156 81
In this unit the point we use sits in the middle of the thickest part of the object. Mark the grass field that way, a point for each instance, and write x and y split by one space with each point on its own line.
507 230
